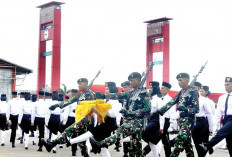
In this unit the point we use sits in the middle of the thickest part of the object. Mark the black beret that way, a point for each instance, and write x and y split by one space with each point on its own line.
182 75
206 88
228 79
14 93
41 92
134 75
61 97
154 84
126 83
27 96
74 90
34 98
82 80
165 84
22 93
47 94
3 97
198 84
66 97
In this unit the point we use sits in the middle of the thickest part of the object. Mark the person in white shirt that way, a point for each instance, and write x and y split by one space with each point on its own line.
24 120
151 134
164 125
224 108
204 121
14 113
21 101
4 116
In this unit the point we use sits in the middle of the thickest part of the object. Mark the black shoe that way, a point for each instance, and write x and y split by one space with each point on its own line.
97 145
74 154
54 151
26 148
33 143
19 138
67 140
60 146
204 149
13 145
125 155
2 144
48 145
21 141
40 149
146 150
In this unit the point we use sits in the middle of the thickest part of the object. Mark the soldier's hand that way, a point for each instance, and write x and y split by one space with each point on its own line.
99 95
161 131
53 107
32 124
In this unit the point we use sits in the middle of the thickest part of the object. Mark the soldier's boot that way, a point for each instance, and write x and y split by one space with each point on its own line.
49 145
97 145
117 145
146 150
204 148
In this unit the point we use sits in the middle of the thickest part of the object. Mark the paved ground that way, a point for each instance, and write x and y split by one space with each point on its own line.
19 151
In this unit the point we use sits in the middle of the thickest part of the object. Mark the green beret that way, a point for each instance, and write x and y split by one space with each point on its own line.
82 80
182 75
126 83
134 75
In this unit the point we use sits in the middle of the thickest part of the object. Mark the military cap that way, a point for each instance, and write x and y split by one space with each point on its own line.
154 84
66 97
82 80
41 92
74 90
14 93
60 97
182 75
3 97
34 98
134 75
228 79
47 94
112 87
54 92
126 83
22 93
27 96
198 84
165 84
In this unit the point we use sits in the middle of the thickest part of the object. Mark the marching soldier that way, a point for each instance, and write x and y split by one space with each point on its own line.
14 113
224 108
39 113
187 107
75 129
24 120
133 118
4 116
204 121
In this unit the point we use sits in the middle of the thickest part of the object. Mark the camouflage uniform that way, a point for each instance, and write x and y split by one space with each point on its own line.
187 106
77 129
132 122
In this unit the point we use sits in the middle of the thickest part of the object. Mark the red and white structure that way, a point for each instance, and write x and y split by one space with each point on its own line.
50 29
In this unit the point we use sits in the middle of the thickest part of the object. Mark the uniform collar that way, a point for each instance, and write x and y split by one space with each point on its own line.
184 89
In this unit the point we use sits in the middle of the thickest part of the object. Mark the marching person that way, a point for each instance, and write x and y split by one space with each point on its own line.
4 116
187 105
204 121
224 108
14 114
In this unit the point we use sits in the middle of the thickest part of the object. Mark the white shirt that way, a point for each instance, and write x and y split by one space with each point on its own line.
4 109
15 106
205 111
212 105
57 111
114 111
156 104
26 108
164 100
41 110
221 108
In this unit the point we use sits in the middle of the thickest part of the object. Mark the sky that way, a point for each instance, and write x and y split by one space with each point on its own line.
111 34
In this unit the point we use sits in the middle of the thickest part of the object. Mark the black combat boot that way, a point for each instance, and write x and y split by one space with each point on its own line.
97 145
49 145
146 150
204 148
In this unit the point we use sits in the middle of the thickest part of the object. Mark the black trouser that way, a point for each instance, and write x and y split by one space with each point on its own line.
54 124
40 122
224 132
26 123
165 137
14 123
3 122
70 121
200 133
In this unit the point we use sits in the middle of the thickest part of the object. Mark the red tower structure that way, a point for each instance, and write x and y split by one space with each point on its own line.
158 42
50 29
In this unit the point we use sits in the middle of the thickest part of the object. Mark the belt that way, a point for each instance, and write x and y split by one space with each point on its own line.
200 118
